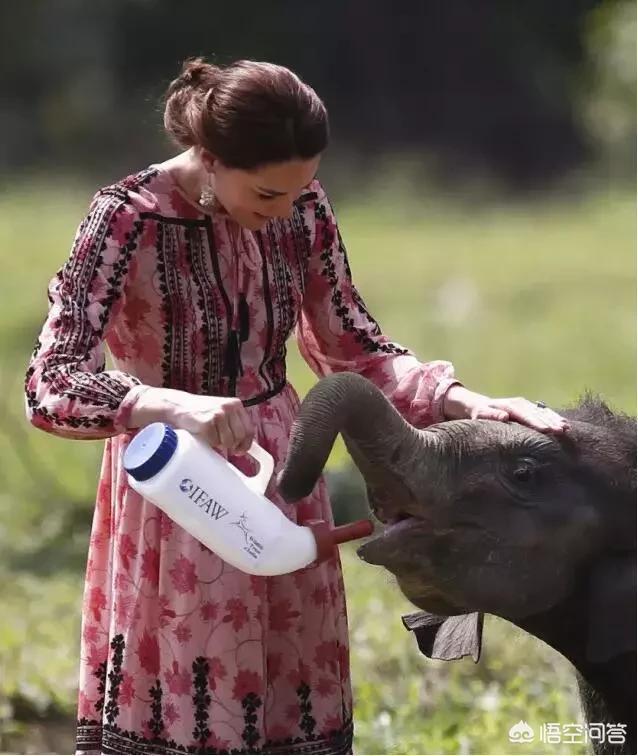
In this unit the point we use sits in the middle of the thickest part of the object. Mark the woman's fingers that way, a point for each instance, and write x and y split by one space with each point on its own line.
211 434
224 431
487 412
223 421
529 413
462 403
241 427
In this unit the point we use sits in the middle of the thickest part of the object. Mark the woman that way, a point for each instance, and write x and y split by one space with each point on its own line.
194 272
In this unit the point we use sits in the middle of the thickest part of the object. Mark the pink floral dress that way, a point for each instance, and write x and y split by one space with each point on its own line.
180 652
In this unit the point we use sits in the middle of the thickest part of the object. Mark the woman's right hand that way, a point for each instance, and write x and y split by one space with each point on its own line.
220 420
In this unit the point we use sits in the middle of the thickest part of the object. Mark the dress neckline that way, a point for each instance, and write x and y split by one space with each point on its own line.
217 211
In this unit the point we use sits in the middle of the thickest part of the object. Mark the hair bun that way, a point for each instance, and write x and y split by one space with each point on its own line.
247 114
196 73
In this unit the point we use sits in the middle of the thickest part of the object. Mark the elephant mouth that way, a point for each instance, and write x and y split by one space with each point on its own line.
396 518
399 524
378 548
390 516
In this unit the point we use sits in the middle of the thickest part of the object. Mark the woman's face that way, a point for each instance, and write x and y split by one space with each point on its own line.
254 197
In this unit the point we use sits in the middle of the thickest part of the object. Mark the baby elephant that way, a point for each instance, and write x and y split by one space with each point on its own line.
482 516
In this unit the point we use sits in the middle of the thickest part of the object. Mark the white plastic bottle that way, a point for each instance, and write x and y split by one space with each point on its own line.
223 508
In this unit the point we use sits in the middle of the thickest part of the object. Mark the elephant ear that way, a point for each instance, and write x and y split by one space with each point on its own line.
447 638
612 608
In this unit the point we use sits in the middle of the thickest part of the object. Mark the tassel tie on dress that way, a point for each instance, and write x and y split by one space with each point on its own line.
236 337
240 324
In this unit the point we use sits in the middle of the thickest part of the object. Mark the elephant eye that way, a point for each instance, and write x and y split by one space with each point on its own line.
525 471
523 477
523 474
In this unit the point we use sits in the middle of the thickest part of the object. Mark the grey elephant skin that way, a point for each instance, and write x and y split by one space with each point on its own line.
490 517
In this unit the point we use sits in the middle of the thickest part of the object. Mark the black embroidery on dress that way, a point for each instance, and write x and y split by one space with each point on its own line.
75 336
284 311
82 269
120 268
175 304
201 700
38 345
223 337
285 241
361 335
130 183
336 741
210 329
156 723
53 418
115 679
307 197
100 673
92 736
307 722
302 244
166 308
176 353
269 311
250 734
279 298
173 221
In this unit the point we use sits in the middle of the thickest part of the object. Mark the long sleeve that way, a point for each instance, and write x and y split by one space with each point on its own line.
68 392
336 332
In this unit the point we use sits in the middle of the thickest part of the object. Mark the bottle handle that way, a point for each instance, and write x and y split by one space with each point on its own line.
259 482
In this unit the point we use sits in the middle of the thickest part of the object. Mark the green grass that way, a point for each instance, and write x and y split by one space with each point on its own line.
525 300
406 703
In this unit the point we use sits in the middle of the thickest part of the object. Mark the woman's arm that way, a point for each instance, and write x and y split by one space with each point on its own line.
68 392
336 332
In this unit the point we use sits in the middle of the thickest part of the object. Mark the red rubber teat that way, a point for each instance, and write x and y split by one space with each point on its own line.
351 531
328 538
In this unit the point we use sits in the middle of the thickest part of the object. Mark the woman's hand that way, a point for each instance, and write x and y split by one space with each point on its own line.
222 421
460 403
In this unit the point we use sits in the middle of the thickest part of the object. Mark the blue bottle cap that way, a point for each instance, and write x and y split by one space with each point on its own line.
149 451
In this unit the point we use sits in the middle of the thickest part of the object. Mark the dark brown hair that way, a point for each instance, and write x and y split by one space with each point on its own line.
247 114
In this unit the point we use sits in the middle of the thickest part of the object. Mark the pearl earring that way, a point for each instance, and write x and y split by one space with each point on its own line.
207 197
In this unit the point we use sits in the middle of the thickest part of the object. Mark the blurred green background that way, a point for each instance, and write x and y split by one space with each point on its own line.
482 169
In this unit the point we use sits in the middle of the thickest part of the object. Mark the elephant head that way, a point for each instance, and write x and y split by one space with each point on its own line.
478 515
483 516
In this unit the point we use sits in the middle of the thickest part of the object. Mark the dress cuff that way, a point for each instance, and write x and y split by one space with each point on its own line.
438 401
123 414
425 387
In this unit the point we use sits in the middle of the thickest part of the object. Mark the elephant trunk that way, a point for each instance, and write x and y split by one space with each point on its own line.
383 445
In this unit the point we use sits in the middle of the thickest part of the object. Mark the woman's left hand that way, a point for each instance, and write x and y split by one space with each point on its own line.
460 403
